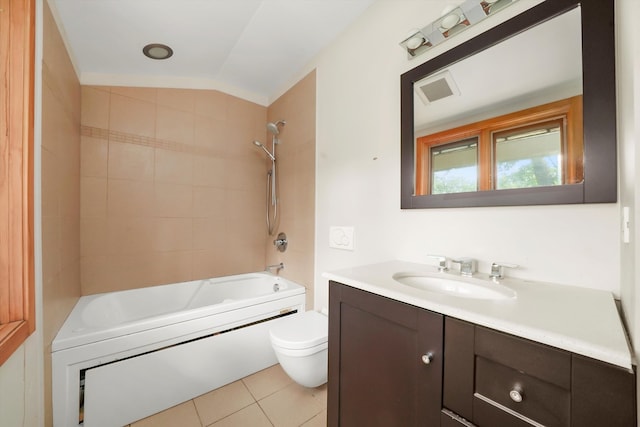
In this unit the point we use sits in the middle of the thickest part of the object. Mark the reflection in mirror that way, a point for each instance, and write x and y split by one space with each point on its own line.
505 152
522 114
536 67
529 157
454 167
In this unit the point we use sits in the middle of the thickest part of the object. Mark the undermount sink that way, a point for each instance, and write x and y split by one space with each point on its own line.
464 287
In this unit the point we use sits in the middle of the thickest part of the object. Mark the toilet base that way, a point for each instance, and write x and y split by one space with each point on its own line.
308 371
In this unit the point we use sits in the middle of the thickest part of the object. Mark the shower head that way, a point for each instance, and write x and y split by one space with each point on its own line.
274 128
259 144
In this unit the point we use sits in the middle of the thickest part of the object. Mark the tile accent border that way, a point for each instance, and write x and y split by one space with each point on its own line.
129 138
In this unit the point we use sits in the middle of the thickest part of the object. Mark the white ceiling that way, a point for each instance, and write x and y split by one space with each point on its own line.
250 48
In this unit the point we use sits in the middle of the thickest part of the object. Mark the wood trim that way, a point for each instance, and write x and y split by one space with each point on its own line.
569 108
17 297
12 335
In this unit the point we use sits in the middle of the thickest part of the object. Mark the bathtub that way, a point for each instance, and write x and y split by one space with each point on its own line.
122 356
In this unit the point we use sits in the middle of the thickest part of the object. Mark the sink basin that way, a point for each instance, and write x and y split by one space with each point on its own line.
464 287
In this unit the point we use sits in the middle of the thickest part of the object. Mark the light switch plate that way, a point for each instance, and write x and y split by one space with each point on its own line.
341 237
626 237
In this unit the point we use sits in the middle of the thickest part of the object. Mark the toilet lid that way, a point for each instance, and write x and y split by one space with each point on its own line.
300 331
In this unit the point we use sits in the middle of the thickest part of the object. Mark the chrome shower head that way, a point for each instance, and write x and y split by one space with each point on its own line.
274 128
259 144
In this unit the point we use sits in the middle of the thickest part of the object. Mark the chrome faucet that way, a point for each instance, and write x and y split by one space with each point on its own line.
278 267
442 262
467 266
497 270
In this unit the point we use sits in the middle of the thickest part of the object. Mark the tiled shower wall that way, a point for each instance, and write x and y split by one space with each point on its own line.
296 169
60 148
172 188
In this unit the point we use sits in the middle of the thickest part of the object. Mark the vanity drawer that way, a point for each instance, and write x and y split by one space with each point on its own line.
450 419
541 401
488 415
537 360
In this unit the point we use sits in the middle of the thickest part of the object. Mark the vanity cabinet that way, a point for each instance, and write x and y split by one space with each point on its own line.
385 361
475 376
510 381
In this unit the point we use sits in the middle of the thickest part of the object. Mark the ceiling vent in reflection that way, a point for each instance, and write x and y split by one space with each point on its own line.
437 87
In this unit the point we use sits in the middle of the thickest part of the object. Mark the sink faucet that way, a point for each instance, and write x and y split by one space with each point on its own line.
467 266
442 262
497 270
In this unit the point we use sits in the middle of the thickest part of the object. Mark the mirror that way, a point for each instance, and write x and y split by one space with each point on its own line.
449 173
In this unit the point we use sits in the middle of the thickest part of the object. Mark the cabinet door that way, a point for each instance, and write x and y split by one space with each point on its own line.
377 376
459 365
602 394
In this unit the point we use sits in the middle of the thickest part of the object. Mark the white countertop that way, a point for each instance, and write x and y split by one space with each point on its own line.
580 320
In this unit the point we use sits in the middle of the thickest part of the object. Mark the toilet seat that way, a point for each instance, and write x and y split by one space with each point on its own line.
308 330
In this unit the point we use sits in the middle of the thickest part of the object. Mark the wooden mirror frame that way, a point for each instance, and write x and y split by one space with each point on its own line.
599 112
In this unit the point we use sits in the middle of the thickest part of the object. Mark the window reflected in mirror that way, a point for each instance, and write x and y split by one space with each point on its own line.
454 167
536 147
529 157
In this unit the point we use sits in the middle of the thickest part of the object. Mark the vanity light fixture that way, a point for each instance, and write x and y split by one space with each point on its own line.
453 20
157 51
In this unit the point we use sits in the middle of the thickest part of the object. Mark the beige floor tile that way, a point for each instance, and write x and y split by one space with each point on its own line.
319 420
183 415
268 381
222 402
294 405
250 416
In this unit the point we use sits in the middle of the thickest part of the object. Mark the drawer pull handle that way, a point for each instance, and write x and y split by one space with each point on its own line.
427 358
516 396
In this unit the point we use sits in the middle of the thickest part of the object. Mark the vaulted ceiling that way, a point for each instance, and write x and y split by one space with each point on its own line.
251 48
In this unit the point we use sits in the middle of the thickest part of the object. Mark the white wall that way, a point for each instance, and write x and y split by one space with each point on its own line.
21 386
358 173
628 74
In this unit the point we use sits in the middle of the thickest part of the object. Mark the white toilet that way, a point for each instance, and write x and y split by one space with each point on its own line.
300 344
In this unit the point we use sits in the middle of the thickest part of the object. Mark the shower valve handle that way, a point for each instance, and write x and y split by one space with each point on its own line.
281 242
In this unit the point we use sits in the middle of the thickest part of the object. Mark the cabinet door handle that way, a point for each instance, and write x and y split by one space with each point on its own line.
516 395
427 358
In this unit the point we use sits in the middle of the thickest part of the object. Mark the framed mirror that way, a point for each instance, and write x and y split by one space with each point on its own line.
490 123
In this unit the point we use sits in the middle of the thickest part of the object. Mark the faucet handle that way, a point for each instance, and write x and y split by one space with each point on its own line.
442 262
497 269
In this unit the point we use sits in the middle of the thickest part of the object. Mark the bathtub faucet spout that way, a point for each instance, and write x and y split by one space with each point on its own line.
278 267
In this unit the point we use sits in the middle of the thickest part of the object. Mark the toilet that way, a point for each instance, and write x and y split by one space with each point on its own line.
300 344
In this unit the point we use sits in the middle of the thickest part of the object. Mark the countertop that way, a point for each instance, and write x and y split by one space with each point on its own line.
581 320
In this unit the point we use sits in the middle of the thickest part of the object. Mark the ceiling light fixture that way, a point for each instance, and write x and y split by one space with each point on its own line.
453 20
157 51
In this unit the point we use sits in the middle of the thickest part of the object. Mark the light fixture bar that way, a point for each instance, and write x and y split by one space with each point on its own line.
452 21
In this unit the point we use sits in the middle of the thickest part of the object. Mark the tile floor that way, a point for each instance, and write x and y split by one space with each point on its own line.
265 399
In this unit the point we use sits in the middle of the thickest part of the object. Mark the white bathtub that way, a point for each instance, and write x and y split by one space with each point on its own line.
122 356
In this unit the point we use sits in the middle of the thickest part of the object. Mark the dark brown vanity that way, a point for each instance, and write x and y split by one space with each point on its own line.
395 364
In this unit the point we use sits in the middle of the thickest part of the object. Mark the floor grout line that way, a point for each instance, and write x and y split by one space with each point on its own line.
265 414
195 407
254 400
